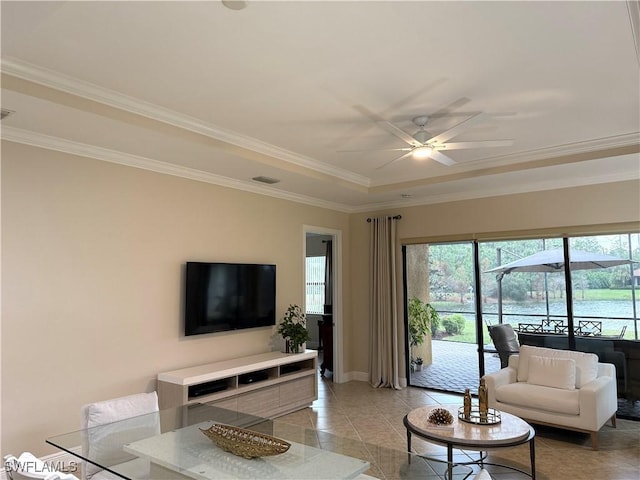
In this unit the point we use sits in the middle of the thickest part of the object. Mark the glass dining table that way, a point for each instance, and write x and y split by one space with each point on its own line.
169 444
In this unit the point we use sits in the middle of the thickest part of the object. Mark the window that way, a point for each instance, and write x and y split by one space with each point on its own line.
315 284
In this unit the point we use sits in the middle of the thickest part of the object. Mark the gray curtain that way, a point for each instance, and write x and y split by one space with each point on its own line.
383 351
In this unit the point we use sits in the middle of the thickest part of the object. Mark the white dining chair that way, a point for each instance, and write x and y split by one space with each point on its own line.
104 444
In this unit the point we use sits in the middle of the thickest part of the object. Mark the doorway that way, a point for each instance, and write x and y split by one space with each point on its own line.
322 275
440 285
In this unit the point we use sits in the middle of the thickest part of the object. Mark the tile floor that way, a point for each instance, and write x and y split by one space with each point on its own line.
372 417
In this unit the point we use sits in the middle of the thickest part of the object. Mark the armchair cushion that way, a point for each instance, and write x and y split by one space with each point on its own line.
552 372
586 363
549 399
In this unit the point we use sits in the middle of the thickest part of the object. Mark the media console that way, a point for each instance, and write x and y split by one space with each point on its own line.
267 385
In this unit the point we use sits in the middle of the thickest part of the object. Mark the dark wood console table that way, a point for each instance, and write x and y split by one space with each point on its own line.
326 336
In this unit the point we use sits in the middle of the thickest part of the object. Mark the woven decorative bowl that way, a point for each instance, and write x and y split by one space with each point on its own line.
245 443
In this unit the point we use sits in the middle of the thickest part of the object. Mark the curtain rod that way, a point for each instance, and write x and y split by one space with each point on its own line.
396 217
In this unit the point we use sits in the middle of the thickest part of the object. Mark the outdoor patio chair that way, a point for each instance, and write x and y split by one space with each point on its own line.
589 328
622 332
551 326
505 341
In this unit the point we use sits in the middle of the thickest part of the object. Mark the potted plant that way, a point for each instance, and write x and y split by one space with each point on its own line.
293 328
419 363
423 320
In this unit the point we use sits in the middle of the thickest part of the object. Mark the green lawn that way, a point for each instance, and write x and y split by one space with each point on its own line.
604 294
468 335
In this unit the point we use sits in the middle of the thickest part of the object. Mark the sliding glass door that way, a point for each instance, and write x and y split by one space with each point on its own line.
524 283
440 278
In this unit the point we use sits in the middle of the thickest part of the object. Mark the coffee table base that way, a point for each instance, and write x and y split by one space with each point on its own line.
483 453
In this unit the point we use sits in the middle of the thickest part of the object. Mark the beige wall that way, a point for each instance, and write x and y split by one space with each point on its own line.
92 260
603 208
92 257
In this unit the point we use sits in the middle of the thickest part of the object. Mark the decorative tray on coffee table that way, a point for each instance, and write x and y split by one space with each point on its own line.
493 417
245 443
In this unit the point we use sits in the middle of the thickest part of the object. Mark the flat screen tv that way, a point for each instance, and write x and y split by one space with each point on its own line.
228 296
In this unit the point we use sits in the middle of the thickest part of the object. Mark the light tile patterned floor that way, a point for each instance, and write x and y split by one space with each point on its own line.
359 412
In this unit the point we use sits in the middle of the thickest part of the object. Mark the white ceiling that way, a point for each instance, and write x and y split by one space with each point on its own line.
281 89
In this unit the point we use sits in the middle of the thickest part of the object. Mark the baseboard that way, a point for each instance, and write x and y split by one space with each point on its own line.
60 461
364 377
355 376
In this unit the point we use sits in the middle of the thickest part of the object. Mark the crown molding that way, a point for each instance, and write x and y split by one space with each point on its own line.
595 145
80 88
39 140
545 185
27 137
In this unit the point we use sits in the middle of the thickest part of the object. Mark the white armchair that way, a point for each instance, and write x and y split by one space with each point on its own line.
560 388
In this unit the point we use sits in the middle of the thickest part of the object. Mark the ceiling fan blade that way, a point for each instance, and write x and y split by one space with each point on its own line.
448 111
408 149
458 129
401 134
413 97
362 110
481 144
395 160
441 158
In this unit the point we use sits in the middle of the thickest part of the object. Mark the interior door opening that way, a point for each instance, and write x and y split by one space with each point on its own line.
322 301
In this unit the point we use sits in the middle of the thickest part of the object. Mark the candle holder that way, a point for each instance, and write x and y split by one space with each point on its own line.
492 417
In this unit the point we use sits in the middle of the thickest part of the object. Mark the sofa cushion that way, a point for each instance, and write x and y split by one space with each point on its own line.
586 363
549 399
552 372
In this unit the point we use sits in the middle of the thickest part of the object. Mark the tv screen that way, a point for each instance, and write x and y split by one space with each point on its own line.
228 296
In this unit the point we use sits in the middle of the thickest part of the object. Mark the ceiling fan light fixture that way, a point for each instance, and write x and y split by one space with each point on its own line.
422 152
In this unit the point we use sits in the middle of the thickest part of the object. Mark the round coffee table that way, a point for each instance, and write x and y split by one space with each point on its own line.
511 431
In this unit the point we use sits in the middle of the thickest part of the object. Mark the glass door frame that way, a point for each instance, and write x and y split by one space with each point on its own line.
480 343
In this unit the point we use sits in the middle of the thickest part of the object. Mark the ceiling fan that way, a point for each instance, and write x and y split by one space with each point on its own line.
423 145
